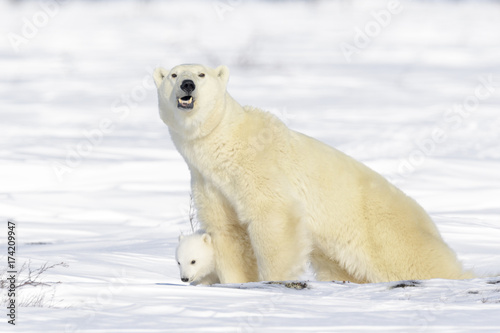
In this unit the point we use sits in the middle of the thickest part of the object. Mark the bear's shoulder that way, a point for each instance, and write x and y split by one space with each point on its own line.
262 117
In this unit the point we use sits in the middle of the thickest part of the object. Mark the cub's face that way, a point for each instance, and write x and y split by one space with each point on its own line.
195 257
190 94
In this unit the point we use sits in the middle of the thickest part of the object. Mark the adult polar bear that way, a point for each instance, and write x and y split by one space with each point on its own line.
273 198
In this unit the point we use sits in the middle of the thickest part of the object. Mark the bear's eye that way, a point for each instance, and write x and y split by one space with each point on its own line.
193 262
201 75
174 75
178 263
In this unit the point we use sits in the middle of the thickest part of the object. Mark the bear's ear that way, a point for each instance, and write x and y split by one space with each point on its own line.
222 73
181 236
158 75
206 238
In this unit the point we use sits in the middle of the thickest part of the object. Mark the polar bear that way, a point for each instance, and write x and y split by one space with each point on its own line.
273 198
195 257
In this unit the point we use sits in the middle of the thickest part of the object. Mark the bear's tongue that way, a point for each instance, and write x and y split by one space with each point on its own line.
185 101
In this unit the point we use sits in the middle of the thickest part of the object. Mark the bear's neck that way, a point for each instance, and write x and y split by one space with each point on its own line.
193 146
224 113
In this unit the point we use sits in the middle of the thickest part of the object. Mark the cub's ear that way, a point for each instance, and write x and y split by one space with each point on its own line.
158 75
206 238
181 236
222 73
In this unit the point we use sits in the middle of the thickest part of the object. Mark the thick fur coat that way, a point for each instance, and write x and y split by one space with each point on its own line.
273 199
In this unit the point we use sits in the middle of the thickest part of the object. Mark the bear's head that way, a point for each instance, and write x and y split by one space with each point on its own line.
195 257
191 98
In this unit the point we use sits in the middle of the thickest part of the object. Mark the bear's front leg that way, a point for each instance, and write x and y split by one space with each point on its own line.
234 258
281 243
210 279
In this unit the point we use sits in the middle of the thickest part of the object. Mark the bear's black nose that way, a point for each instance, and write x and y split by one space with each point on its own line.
188 86
184 279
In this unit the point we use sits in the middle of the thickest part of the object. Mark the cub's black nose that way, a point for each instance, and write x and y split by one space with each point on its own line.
184 279
188 86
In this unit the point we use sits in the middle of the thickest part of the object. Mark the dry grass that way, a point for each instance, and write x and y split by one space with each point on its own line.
29 277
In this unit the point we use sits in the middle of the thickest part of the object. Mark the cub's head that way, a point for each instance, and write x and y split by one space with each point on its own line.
195 257
191 97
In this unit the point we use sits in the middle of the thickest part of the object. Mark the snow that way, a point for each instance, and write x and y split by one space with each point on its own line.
89 174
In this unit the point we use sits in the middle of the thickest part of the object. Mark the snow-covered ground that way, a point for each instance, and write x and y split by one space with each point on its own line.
92 180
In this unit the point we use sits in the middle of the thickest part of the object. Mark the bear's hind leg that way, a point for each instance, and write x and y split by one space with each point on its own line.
327 269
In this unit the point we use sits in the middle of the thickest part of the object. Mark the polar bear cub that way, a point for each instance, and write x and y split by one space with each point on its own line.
195 257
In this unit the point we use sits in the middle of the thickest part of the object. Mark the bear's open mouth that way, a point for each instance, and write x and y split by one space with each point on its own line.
185 102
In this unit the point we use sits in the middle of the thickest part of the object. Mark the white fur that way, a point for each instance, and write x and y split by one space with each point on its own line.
195 257
273 198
